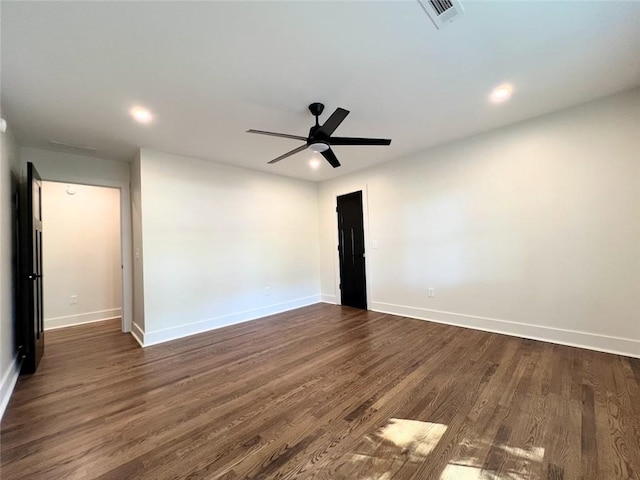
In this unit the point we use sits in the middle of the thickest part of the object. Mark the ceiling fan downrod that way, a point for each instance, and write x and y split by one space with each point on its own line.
316 110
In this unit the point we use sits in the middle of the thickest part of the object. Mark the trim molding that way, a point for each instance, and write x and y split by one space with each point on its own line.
573 338
137 333
329 299
173 333
9 379
81 318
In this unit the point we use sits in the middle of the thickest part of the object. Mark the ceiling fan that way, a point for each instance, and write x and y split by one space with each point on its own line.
320 139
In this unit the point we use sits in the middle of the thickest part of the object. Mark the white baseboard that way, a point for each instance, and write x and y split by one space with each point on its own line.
324 298
81 318
137 333
591 341
9 379
173 333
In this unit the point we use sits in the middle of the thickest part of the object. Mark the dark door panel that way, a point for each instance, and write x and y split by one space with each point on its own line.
353 283
30 271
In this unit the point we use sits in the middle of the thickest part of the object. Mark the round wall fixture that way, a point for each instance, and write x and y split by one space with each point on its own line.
71 190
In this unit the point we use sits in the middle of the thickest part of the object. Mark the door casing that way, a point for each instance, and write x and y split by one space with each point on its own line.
126 238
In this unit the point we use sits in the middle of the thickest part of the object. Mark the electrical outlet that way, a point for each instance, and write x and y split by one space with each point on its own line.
267 290
431 292
73 300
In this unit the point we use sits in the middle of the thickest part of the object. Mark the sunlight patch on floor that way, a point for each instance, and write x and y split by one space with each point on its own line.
418 438
404 444
471 469
384 476
464 472
393 447
536 454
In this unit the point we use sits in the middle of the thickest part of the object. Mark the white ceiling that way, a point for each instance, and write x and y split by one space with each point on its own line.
211 70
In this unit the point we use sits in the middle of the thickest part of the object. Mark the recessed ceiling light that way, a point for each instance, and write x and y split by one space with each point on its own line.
141 115
501 93
314 163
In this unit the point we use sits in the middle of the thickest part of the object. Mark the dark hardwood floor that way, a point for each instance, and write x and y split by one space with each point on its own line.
323 392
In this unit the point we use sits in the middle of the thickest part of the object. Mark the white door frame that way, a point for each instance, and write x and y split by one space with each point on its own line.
126 241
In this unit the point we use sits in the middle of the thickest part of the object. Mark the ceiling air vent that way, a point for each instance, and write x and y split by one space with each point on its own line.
442 12
72 147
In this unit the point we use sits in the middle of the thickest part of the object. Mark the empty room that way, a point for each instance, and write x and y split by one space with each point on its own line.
320 240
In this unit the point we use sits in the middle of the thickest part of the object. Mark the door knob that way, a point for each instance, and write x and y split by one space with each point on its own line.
33 276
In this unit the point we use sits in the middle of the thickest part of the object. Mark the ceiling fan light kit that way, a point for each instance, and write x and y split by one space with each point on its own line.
318 147
319 139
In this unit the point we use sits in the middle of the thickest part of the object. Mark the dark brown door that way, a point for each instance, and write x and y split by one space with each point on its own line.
32 316
353 284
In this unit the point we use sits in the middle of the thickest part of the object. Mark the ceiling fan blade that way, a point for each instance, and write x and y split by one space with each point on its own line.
274 134
333 121
288 154
331 158
358 141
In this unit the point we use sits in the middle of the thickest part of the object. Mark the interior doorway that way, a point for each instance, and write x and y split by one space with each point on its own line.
351 250
82 254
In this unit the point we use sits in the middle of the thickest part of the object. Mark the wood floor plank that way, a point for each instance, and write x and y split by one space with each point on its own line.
327 393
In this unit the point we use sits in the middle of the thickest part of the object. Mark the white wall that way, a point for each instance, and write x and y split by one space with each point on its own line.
532 230
67 167
9 177
81 254
215 236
